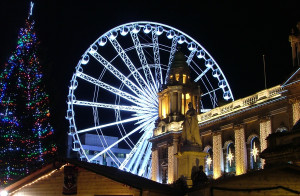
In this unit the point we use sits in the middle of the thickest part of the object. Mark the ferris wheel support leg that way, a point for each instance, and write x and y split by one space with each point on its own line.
141 154
148 174
137 151
132 153
146 160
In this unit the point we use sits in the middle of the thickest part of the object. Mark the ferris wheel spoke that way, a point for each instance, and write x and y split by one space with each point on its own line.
113 157
139 158
192 54
211 91
141 152
110 106
132 157
202 74
145 160
117 73
121 139
111 124
158 72
213 97
133 152
133 99
153 95
172 52
143 120
139 79
143 60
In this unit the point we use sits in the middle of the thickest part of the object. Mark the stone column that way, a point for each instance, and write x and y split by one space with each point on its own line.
240 150
197 104
217 155
159 107
155 166
174 101
172 161
169 104
179 101
175 144
265 131
184 104
296 110
171 169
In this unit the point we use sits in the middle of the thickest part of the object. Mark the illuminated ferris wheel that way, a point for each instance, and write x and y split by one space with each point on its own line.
113 91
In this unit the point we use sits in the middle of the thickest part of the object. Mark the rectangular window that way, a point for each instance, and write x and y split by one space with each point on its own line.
184 79
164 107
177 77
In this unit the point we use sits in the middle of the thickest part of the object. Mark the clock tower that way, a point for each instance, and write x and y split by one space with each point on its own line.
176 98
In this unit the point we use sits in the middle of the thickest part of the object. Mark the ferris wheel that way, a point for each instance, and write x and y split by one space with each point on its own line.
113 92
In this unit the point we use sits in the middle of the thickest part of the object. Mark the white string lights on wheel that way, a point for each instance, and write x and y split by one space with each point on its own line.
113 91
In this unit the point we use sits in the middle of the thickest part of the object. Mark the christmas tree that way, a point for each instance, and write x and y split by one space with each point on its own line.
25 132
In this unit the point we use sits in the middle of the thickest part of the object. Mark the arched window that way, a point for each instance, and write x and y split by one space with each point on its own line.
230 159
281 129
255 162
209 162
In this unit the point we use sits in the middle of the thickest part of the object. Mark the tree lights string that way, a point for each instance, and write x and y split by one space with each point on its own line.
25 132
40 178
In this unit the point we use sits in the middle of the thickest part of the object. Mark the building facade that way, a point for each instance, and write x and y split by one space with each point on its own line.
232 135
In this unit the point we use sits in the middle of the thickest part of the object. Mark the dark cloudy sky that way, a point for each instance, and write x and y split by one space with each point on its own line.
236 34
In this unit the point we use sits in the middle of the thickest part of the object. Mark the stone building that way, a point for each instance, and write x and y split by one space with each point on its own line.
232 135
168 162
280 176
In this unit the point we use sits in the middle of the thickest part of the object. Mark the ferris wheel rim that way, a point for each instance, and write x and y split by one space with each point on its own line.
142 23
171 27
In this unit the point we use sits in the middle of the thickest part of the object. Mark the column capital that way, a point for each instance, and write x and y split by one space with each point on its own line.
216 132
175 139
293 100
264 118
238 126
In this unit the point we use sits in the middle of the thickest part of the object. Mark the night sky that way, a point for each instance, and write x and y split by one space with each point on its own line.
235 34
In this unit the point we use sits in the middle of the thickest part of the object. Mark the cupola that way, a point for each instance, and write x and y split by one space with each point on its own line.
179 70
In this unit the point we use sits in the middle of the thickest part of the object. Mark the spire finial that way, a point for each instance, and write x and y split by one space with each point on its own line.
31 8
